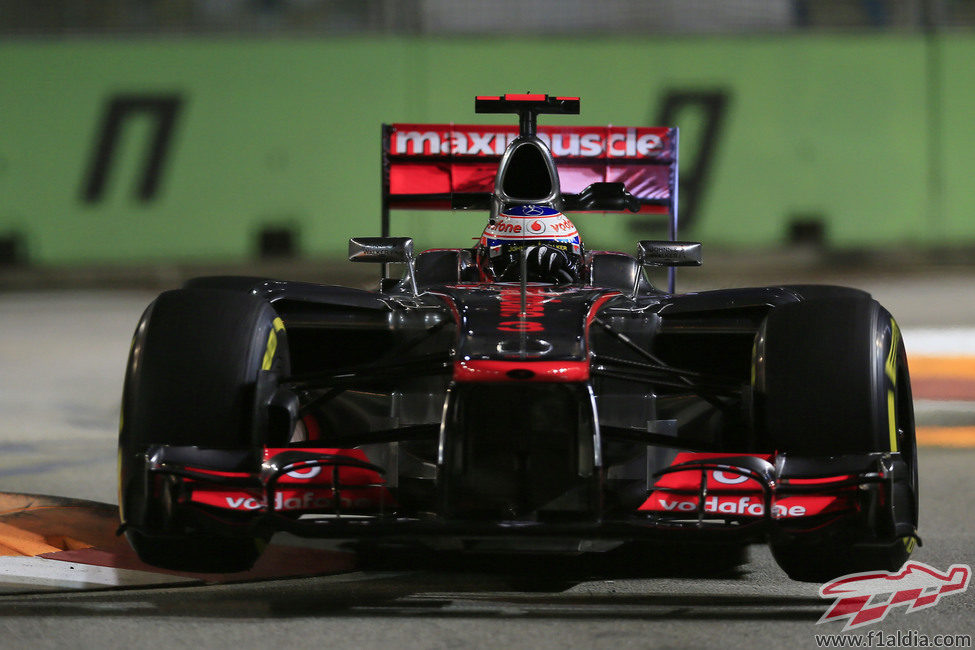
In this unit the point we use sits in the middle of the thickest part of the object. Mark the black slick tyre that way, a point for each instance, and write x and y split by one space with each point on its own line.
201 372
831 378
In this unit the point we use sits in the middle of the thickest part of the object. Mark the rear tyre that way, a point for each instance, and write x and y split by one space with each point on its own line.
832 378
203 367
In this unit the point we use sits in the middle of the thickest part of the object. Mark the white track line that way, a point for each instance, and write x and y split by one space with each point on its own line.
940 342
20 574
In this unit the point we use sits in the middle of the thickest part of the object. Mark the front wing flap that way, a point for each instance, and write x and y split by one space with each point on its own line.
701 489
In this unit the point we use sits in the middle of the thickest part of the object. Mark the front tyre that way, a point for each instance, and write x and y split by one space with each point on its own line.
202 370
831 378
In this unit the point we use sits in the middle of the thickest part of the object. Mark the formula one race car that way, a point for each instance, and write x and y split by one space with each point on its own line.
523 394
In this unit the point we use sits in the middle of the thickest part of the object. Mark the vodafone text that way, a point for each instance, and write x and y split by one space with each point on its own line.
308 500
732 506
558 227
511 308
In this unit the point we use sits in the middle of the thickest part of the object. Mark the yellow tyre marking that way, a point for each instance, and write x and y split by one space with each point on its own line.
272 344
892 419
891 366
890 369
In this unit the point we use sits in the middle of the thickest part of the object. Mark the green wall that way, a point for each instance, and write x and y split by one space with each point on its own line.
853 130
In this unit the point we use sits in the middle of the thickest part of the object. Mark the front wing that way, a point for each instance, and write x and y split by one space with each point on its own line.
339 493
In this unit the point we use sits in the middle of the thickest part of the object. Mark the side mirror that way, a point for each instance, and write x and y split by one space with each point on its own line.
381 249
668 253
385 250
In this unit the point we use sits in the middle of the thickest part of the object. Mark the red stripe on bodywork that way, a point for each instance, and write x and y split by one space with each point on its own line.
219 473
312 429
596 306
817 481
490 370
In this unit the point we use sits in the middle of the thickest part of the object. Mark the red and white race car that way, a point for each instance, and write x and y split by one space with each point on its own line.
523 393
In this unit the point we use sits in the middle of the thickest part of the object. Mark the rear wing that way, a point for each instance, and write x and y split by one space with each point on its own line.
453 166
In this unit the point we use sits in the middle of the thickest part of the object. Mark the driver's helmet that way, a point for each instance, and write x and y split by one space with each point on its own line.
554 249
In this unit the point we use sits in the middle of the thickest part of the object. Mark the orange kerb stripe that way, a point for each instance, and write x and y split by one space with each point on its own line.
961 367
17 541
946 436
